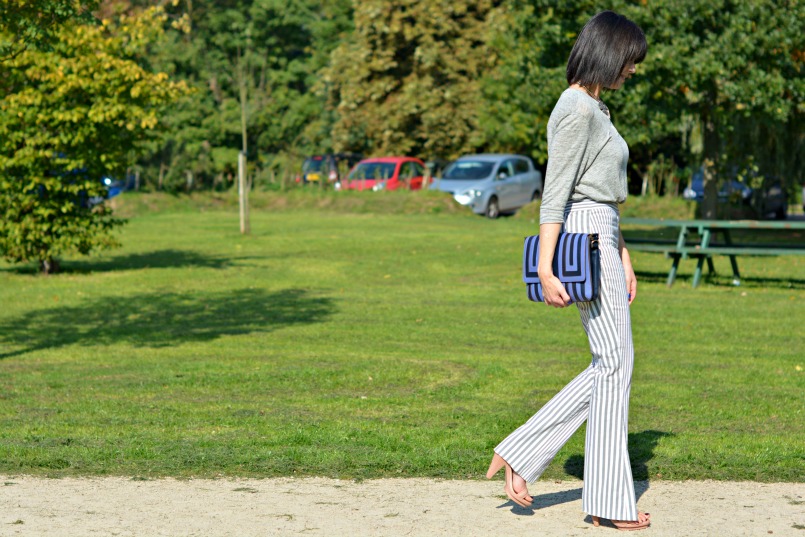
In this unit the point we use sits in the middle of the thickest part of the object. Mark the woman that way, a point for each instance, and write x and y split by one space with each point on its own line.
585 180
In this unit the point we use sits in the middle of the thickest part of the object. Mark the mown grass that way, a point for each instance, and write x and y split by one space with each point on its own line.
341 341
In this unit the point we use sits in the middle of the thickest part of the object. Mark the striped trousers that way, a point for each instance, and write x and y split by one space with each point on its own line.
600 394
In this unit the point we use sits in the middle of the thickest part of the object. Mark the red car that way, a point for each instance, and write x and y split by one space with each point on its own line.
385 173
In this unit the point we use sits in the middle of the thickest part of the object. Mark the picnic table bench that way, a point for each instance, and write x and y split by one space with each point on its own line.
697 239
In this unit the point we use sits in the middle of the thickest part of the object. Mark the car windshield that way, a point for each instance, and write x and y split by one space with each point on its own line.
373 170
312 165
468 169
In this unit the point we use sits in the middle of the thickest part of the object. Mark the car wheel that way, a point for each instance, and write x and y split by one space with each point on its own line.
493 208
536 195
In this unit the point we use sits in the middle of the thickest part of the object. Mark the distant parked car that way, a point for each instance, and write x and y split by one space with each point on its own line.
770 202
385 173
491 184
114 187
732 189
327 167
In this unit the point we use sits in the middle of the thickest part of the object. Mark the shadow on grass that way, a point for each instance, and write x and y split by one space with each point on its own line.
723 279
169 258
641 450
763 283
162 319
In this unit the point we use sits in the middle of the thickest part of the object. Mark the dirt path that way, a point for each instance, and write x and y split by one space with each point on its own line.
386 507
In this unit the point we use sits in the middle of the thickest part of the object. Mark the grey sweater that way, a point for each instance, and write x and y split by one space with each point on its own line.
586 157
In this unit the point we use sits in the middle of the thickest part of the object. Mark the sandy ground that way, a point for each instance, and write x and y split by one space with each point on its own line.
394 507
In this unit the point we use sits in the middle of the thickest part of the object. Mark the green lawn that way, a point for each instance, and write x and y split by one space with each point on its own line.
359 343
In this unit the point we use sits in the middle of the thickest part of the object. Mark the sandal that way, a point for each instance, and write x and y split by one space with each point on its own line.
523 499
643 521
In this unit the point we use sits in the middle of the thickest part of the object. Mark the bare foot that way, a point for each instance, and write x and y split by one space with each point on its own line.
643 521
519 485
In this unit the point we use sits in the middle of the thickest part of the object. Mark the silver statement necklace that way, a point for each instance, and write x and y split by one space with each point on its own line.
601 105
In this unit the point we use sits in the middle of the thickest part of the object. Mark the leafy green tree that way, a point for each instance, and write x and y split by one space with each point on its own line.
70 115
532 41
408 79
722 82
730 73
254 63
24 22
299 36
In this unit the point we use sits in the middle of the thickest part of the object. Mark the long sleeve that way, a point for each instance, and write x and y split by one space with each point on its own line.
567 147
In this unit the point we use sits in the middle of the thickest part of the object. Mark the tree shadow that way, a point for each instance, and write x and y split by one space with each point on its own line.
162 319
169 258
722 279
655 277
762 283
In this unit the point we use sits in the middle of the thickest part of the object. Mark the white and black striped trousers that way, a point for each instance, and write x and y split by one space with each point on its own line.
600 394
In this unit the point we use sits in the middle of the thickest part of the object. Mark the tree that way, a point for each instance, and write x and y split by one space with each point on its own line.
731 72
407 81
274 50
531 41
722 83
24 22
70 115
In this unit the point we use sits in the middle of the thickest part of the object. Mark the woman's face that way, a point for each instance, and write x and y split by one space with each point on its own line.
627 72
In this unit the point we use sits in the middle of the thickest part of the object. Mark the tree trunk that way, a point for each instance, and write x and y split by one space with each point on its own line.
712 144
161 179
49 266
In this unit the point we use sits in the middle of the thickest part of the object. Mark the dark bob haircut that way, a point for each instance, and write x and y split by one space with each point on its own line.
605 45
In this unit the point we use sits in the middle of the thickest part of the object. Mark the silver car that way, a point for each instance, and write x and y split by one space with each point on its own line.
491 184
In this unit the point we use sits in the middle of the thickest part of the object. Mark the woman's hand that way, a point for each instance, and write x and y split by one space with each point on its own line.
631 282
553 292
631 279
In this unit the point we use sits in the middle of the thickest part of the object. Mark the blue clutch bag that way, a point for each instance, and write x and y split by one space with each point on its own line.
576 262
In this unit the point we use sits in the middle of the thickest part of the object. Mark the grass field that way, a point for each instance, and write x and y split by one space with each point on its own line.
357 343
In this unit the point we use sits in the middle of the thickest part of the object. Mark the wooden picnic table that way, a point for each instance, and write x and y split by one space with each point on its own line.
698 239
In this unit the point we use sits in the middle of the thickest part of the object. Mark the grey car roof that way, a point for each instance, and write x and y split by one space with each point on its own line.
491 157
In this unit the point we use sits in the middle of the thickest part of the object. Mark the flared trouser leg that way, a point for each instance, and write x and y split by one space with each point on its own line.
599 394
